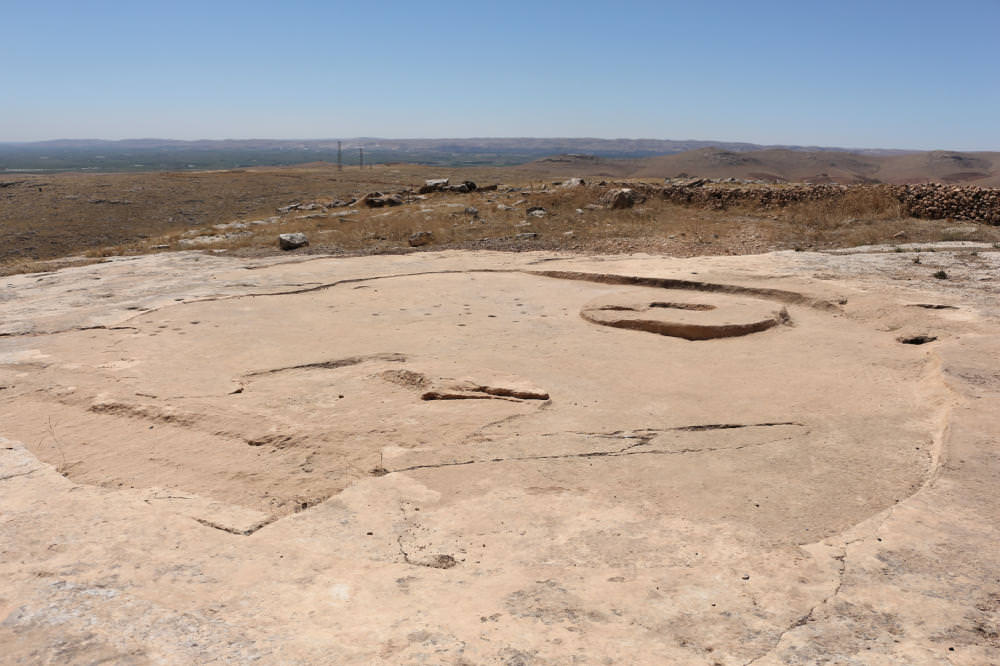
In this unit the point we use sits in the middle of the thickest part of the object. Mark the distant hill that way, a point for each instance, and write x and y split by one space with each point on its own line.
606 158
169 155
783 165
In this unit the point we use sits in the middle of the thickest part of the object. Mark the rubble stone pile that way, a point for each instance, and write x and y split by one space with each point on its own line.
925 200
934 201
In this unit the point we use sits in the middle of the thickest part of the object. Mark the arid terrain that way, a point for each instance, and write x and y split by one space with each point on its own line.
242 211
617 421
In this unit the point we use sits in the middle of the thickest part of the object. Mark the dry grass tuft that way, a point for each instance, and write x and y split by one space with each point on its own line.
867 203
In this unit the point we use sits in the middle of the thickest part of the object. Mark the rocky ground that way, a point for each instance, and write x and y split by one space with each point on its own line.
496 458
61 219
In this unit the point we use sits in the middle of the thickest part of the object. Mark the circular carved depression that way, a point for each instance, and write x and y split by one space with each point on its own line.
698 316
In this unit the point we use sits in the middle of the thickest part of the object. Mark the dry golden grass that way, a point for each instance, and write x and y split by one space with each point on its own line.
855 204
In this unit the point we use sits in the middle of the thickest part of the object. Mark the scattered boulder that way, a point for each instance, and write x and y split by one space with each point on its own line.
690 182
114 202
434 185
292 241
463 188
573 182
622 198
472 210
527 235
536 211
421 238
379 200
442 185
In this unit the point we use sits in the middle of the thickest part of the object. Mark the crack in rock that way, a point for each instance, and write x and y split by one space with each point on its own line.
14 476
35 334
808 617
439 561
628 450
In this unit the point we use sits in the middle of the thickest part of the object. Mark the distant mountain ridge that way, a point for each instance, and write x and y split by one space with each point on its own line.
547 146
792 166
613 158
149 154
778 165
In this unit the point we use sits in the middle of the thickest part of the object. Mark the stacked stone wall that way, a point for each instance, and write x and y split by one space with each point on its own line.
928 200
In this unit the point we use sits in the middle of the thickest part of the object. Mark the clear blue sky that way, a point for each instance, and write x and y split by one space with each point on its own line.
888 73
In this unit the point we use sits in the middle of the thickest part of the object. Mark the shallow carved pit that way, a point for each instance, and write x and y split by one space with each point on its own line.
711 316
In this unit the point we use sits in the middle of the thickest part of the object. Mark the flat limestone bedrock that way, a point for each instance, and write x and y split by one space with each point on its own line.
577 501
175 385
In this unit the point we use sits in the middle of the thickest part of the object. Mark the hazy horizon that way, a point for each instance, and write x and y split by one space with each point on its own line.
480 138
853 75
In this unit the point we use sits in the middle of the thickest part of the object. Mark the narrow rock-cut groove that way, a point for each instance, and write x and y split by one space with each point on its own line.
337 283
933 306
601 278
484 393
445 395
334 364
791 297
511 393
